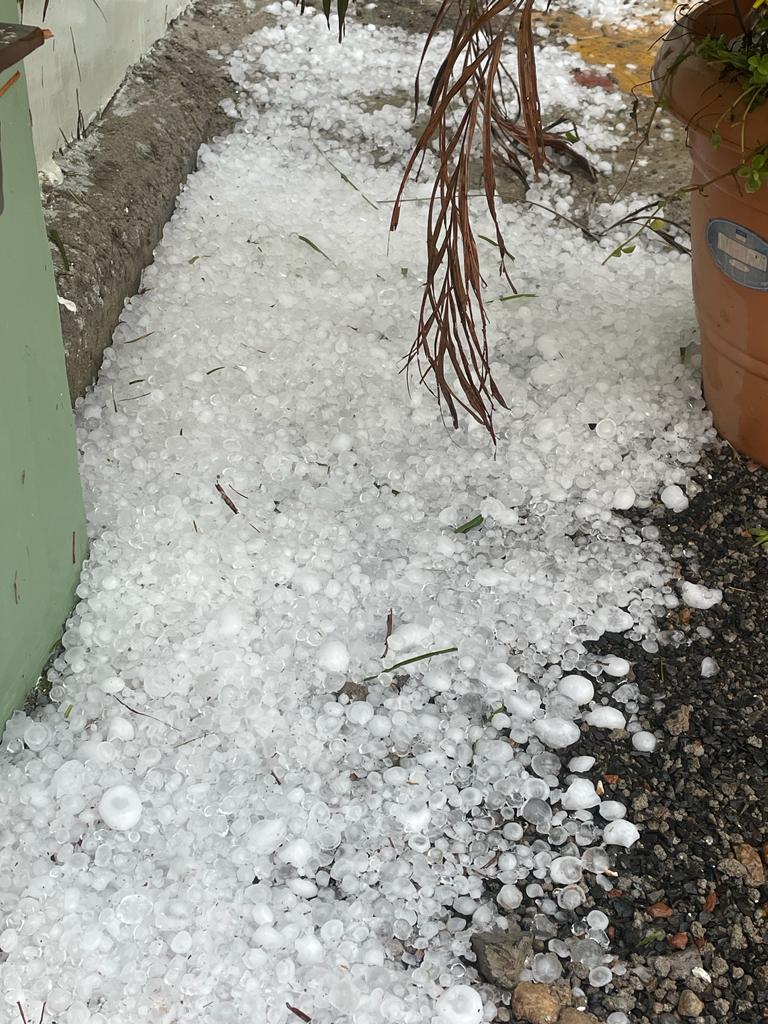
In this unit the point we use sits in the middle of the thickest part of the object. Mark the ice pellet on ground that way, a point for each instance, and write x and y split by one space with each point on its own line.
612 809
697 596
459 1005
333 656
556 732
614 666
675 498
578 688
709 668
624 498
580 795
644 741
620 832
605 717
120 808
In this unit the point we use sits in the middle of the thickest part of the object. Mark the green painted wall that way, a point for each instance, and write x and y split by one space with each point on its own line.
42 528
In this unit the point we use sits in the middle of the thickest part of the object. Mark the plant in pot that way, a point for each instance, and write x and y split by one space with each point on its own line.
712 75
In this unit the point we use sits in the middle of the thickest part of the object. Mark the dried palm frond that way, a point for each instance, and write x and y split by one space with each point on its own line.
471 121
470 118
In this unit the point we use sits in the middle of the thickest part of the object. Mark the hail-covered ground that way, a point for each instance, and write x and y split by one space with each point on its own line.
231 806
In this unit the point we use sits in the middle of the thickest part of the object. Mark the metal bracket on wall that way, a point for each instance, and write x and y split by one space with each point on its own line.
18 41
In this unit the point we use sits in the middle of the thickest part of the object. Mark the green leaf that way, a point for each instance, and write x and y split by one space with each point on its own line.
471 524
411 661
311 244
518 295
715 139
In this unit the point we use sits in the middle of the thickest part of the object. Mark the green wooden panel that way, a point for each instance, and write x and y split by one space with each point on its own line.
42 527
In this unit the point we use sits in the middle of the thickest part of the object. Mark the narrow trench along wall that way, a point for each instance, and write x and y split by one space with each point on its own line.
73 77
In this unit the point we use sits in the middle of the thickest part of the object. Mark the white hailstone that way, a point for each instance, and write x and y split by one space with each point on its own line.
709 669
266 835
309 949
620 833
120 808
581 764
360 712
600 976
556 732
297 853
644 741
565 870
229 621
580 795
624 498
413 815
674 498
549 347
37 736
437 679
341 443
611 810
696 596
597 919
120 729
333 656
509 897
579 689
605 717
499 676
408 637
616 667
459 1005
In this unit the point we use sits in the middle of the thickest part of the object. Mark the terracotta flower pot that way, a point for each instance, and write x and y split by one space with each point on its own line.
729 225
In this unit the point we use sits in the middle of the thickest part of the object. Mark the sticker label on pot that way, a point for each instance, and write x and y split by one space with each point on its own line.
740 253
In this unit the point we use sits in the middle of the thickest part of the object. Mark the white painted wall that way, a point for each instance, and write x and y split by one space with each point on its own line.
106 45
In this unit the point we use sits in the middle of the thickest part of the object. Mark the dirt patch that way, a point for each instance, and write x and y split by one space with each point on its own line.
121 181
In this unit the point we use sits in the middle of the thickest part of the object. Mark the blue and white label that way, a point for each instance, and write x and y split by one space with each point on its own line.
740 253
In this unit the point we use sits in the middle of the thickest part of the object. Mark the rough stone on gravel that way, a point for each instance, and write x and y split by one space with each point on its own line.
689 1004
570 1015
750 859
536 1003
501 956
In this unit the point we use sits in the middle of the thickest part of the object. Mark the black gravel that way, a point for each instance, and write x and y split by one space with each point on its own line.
702 794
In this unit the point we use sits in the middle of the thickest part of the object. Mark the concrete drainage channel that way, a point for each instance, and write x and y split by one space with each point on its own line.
121 180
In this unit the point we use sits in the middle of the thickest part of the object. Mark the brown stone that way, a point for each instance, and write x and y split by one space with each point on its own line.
572 1016
679 721
660 910
535 1003
678 941
750 858
689 1005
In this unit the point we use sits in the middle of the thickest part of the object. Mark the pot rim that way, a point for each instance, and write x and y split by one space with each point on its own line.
697 93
